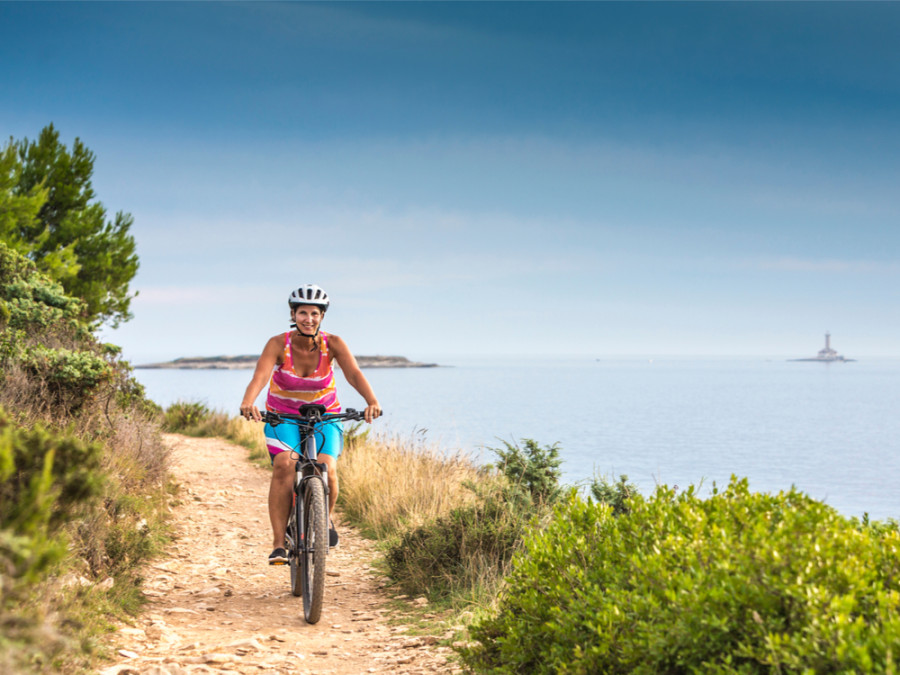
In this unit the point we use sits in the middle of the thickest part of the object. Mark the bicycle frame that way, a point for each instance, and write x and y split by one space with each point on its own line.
307 559
307 466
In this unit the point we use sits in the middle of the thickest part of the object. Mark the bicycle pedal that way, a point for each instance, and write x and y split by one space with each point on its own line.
280 562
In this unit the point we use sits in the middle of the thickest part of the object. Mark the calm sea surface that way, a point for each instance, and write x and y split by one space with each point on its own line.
832 430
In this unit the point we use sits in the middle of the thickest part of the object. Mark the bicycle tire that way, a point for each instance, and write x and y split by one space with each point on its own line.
312 557
294 552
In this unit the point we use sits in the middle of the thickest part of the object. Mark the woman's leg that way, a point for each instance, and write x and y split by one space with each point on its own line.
330 442
280 496
331 463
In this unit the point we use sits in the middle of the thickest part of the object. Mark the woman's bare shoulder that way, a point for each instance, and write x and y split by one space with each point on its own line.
336 341
275 344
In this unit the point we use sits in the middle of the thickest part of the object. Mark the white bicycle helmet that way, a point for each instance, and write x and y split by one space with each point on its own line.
310 294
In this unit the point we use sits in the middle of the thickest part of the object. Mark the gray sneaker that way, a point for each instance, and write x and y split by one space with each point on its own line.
278 557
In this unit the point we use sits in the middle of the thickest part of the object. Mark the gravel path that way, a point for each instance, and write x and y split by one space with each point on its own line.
216 606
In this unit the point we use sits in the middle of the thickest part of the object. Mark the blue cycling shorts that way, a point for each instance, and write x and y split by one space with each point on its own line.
286 437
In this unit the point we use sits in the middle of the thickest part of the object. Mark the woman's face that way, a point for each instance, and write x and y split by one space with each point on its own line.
307 318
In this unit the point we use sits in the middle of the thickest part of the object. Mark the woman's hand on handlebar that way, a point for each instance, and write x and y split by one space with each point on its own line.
372 411
250 412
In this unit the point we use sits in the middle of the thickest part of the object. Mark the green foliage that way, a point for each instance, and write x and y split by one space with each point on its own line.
130 539
458 551
45 480
32 301
616 495
68 235
473 545
18 209
533 469
72 377
38 313
355 434
737 583
185 416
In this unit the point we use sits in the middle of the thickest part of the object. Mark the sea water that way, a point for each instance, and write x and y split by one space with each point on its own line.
830 429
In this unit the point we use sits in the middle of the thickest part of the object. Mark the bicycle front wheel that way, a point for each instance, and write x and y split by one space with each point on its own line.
312 557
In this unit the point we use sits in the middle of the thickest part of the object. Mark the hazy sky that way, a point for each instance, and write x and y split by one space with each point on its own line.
473 178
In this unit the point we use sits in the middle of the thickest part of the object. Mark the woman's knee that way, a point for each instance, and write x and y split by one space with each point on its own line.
282 466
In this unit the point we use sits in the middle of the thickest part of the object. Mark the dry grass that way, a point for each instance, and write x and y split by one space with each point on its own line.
23 396
251 436
389 485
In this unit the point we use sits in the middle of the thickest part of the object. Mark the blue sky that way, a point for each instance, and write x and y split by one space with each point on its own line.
591 179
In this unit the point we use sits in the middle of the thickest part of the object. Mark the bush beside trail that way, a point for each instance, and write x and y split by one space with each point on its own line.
740 582
466 551
83 478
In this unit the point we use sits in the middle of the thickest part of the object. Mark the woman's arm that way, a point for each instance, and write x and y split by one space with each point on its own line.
264 365
354 376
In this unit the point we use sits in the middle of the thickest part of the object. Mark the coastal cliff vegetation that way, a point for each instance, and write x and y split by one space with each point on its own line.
83 473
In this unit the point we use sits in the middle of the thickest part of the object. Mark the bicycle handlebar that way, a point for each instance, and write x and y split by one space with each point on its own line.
275 418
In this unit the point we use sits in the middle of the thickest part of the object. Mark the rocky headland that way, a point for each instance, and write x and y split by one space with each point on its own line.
249 361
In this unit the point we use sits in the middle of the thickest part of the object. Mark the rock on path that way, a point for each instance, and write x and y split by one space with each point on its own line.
216 606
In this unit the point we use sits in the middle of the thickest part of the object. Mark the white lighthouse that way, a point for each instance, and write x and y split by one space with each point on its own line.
827 354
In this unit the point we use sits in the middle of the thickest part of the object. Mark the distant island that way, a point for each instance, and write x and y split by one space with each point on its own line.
827 354
249 361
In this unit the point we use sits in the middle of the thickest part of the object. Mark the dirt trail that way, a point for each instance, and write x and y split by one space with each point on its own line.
216 606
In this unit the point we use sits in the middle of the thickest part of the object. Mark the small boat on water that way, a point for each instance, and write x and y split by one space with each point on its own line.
827 354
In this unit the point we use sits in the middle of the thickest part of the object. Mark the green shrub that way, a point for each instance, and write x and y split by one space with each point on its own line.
355 434
534 470
617 495
45 335
33 301
473 545
458 551
185 416
72 377
45 479
737 583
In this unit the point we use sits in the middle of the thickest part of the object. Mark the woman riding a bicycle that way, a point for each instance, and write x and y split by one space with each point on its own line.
298 365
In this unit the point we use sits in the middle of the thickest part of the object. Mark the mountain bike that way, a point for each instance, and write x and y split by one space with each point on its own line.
306 539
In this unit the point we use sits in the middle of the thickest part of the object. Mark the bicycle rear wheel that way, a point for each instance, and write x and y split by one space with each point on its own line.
312 555
294 547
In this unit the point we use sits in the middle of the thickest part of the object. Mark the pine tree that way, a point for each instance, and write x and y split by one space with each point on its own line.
71 239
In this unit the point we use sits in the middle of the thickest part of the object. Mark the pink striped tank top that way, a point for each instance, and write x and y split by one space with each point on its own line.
288 391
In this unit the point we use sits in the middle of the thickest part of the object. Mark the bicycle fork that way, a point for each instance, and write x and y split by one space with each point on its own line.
299 489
